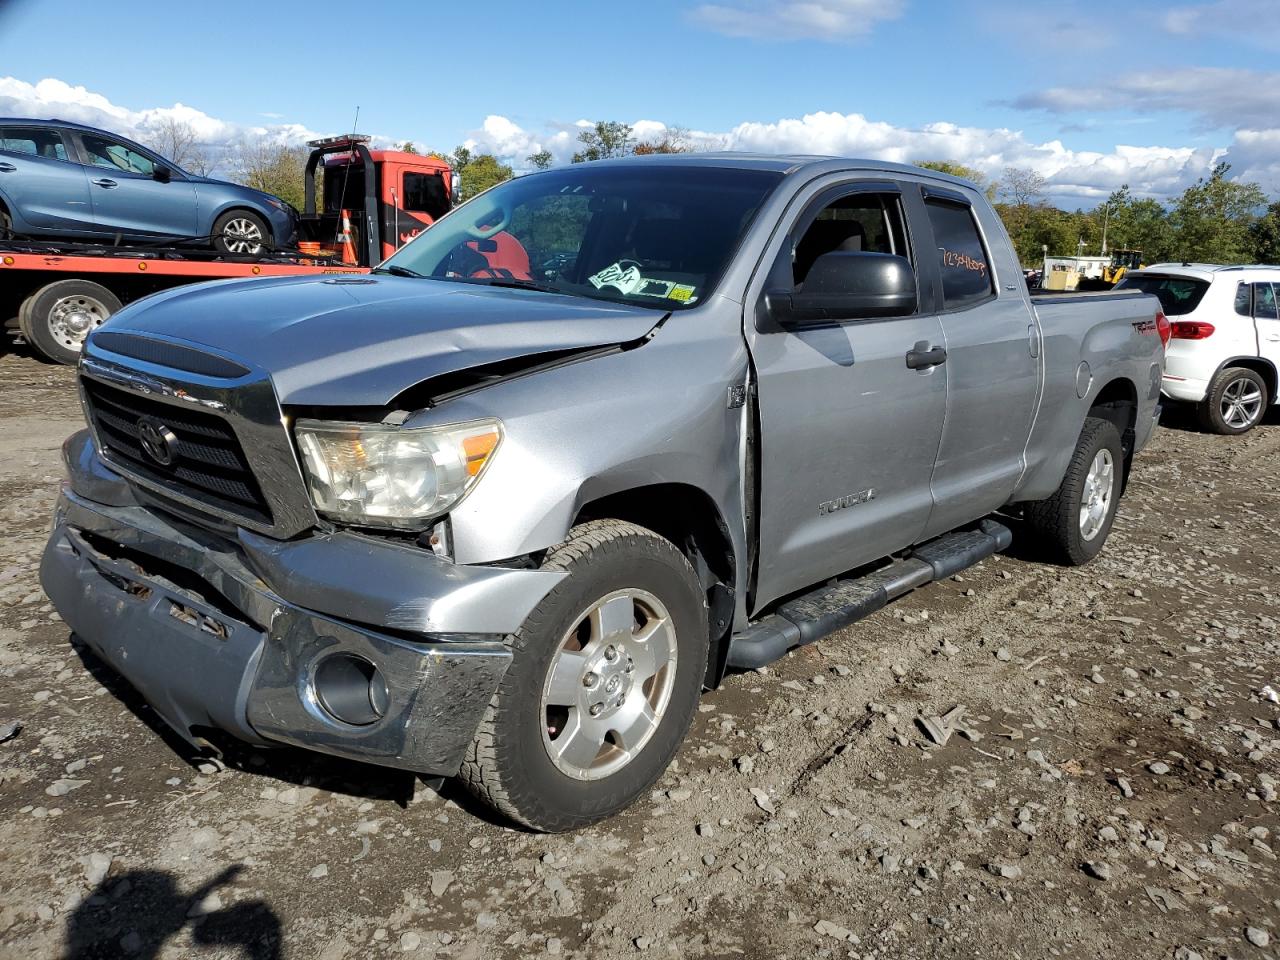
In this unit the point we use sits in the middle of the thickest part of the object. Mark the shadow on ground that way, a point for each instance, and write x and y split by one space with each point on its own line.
136 914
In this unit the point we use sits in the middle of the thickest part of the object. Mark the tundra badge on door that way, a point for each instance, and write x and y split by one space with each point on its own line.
848 500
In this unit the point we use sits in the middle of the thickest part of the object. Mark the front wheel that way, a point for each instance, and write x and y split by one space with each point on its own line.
241 234
1235 401
603 683
1072 525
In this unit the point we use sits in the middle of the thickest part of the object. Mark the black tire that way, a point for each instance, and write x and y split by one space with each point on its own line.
227 240
1213 418
1054 523
508 766
45 323
24 318
6 225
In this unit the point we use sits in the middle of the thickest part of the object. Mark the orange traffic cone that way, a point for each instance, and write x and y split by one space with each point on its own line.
345 239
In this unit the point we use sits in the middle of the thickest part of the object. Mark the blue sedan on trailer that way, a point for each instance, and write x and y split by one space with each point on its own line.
66 181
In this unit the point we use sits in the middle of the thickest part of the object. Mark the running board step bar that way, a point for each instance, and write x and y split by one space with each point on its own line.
818 614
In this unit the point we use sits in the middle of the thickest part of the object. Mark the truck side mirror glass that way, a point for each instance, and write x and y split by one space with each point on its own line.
847 285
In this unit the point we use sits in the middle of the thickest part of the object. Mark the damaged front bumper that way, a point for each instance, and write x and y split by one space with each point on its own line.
241 634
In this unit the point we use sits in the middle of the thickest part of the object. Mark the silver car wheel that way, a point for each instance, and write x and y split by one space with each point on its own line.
1241 403
608 684
72 319
242 236
1096 499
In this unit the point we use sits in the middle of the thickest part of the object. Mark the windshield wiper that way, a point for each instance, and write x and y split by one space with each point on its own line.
515 283
398 271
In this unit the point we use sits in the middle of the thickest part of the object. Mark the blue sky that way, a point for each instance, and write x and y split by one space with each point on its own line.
1088 96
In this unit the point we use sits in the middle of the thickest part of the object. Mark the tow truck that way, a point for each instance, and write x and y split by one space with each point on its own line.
361 205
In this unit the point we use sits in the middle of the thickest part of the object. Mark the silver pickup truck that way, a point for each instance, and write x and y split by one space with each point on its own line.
503 509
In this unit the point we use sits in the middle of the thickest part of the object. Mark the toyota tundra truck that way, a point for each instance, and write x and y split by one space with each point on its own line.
504 508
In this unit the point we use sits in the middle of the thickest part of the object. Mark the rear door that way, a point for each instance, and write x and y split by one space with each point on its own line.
46 188
993 368
848 432
126 196
1266 318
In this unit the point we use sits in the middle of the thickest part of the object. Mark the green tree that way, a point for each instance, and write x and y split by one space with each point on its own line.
1265 236
541 160
407 147
479 172
1213 219
608 138
270 166
673 140
1136 225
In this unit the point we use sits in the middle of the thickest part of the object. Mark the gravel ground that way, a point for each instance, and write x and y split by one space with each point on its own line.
1108 789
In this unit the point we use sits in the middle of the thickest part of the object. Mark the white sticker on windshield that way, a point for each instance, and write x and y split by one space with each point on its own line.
624 279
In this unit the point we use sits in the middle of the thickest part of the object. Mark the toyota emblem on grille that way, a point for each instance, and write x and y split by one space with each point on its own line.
158 441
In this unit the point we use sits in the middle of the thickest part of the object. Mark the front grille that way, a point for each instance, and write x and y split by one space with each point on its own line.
209 464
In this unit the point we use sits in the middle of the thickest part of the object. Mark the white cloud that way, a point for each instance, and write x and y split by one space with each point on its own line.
1219 97
55 98
1073 176
1247 21
834 20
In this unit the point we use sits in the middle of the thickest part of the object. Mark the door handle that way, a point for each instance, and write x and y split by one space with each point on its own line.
924 355
7 168
105 183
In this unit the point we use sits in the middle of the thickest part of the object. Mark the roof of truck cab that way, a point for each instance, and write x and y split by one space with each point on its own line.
782 163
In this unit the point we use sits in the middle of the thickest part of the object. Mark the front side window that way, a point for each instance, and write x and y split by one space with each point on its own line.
115 155
962 259
33 141
860 222
1264 301
425 193
646 234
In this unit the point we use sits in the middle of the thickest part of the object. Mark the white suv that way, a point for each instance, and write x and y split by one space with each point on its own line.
1226 338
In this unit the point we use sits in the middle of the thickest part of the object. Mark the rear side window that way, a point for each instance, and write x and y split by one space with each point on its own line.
34 141
1243 301
966 269
1178 296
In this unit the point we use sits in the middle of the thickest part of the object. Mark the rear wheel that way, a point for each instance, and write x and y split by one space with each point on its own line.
603 683
1235 402
241 234
6 225
1072 525
57 319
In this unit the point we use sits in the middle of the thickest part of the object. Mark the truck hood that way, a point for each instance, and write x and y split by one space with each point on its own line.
362 340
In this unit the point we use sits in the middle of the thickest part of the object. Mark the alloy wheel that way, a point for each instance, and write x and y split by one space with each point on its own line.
608 684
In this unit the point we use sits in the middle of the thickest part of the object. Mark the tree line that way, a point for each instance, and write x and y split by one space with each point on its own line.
1215 220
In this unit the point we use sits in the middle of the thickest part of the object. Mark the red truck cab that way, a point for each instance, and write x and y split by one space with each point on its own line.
372 201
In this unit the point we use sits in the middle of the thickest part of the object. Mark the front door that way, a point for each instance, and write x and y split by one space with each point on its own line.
848 432
126 196
993 365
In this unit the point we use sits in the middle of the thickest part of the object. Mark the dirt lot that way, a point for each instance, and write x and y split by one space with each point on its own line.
1114 793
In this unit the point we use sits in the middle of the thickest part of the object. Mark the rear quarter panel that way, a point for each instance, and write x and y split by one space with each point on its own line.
1089 341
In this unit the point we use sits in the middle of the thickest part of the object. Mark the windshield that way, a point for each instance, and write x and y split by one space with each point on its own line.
660 236
1177 295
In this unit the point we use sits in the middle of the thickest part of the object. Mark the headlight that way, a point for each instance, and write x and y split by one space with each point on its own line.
381 475
283 205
